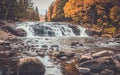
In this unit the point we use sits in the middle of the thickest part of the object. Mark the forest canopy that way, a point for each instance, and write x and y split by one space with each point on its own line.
18 9
102 13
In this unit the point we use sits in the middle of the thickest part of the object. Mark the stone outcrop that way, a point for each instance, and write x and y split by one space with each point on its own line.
103 63
30 66
21 32
102 54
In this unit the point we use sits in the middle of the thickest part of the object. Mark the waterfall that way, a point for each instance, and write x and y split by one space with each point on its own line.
50 29
82 32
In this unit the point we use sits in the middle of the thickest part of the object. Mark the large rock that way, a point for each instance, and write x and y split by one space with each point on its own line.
30 66
75 29
8 29
93 33
42 54
21 32
98 65
89 32
102 54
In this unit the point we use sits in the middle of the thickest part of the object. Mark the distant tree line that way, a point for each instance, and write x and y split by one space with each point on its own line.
18 9
103 13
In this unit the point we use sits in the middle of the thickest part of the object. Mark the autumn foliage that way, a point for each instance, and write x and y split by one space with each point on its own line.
103 13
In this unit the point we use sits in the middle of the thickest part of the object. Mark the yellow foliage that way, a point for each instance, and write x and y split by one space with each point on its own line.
72 7
110 30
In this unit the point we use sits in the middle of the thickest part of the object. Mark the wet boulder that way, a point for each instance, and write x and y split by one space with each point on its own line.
12 39
102 54
84 70
75 29
65 54
38 50
2 23
85 58
117 36
5 45
89 32
44 47
98 65
42 54
6 54
107 72
2 42
55 47
8 66
30 66
93 33
75 43
21 32
7 28
117 56
31 54
64 58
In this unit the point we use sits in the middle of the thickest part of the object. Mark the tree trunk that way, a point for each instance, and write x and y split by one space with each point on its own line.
6 14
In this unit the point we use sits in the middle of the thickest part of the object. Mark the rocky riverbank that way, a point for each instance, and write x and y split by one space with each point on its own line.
15 53
45 56
89 62
13 63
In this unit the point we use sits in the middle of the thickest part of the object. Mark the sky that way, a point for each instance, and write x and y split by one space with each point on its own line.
42 5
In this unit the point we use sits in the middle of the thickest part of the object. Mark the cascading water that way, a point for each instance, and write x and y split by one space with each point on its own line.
47 29
27 28
82 32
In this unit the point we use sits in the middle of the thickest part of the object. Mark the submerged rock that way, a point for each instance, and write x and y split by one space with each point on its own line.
65 54
42 54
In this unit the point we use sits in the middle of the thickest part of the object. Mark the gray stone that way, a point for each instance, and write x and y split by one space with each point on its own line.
63 58
41 54
83 70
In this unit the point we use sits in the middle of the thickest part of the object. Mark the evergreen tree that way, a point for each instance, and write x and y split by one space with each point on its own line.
17 9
